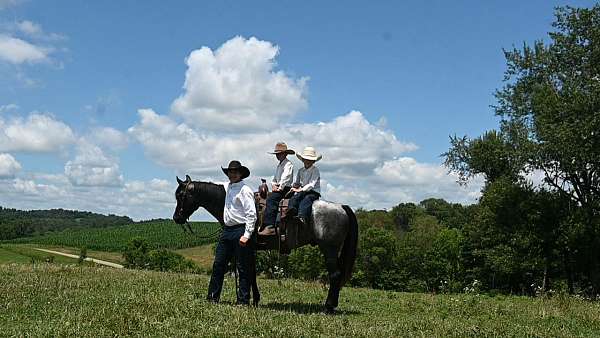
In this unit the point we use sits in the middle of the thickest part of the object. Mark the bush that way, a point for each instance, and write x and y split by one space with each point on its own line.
137 256
307 262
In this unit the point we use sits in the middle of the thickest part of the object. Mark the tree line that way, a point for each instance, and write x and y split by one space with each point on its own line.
19 223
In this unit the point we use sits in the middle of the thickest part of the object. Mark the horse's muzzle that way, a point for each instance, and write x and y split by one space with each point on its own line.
179 218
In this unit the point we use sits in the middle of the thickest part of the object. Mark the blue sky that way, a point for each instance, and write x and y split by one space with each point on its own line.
413 73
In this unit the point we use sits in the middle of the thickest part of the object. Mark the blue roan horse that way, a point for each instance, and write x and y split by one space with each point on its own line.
333 228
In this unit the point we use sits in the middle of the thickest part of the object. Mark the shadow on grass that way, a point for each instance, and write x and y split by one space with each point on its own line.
303 308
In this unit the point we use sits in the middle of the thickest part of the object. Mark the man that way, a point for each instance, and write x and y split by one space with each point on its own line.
280 186
239 216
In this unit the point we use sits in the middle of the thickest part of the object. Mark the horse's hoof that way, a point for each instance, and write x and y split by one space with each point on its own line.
329 310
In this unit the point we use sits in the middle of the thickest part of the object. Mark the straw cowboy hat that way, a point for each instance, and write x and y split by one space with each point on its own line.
281 147
236 165
309 153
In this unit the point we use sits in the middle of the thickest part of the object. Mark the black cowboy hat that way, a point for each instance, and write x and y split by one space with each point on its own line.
236 165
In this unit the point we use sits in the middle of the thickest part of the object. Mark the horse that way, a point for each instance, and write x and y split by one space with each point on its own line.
333 228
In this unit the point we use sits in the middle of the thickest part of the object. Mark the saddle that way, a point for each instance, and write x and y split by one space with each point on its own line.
287 236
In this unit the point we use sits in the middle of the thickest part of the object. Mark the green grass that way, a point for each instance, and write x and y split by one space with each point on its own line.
14 253
161 234
203 255
55 300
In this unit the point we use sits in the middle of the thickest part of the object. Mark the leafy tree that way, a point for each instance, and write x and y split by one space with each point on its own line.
550 122
403 215
377 257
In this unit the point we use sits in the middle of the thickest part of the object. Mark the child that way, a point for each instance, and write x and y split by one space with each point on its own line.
307 187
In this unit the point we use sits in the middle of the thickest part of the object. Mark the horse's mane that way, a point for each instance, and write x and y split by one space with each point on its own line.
211 197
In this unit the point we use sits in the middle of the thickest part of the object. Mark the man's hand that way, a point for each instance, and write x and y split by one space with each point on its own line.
275 187
243 241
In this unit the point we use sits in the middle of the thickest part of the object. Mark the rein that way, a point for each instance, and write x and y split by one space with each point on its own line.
212 235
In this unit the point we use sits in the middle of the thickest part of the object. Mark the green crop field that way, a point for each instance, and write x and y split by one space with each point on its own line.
161 234
55 300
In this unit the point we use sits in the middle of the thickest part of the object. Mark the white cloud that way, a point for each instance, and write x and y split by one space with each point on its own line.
109 137
236 87
414 181
91 167
361 163
38 133
8 107
25 186
17 51
8 166
350 145
29 28
35 31
138 199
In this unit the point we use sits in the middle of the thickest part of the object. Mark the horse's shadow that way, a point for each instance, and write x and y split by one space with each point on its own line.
302 308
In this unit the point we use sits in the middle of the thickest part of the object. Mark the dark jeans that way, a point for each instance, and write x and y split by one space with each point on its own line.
302 201
272 207
227 248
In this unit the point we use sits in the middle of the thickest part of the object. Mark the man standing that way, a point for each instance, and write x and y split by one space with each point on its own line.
239 216
281 185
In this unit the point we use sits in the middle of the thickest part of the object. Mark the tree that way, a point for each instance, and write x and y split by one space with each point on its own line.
550 106
550 122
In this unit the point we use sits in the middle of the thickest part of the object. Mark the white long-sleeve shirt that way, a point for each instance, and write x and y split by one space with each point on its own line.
239 206
284 174
309 179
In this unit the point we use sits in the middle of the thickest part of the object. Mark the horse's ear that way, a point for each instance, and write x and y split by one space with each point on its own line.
180 182
187 179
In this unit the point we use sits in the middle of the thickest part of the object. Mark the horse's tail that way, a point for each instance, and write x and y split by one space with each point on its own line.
348 254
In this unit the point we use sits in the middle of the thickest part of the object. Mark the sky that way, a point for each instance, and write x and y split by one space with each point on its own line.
103 103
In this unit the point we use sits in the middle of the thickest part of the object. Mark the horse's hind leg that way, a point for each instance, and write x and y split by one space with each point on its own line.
335 277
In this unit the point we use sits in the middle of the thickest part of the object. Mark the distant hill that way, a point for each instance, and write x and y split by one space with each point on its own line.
19 223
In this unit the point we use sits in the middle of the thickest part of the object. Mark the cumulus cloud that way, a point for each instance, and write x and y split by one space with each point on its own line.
8 166
38 133
109 137
361 163
29 28
237 87
91 167
349 143
17 51
415 181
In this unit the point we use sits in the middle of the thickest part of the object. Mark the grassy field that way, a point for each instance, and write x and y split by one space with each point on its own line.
161 234
11 253
203 255
55 300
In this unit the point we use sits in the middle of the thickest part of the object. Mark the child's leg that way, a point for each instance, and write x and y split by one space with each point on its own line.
294 203
306 205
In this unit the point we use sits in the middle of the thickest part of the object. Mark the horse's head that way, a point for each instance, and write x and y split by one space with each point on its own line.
186 202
